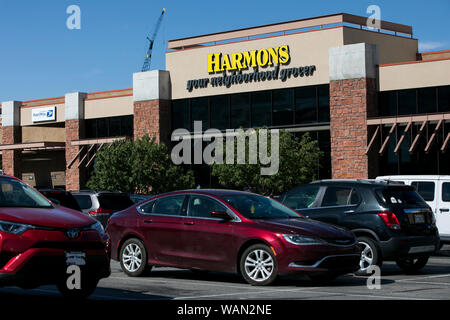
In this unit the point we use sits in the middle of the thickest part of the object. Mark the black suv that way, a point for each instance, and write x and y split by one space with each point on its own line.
391 221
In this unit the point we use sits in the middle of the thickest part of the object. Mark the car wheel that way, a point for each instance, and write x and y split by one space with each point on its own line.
258 265
87 287
411 264
370 256
133 258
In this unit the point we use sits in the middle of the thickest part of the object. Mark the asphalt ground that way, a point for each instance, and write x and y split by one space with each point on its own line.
432 283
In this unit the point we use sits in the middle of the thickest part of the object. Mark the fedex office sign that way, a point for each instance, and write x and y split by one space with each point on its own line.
43 114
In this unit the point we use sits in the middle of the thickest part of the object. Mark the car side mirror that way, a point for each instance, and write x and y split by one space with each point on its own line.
55 201
220 215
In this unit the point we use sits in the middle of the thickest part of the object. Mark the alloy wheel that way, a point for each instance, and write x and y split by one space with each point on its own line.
259 265
132 257
366 256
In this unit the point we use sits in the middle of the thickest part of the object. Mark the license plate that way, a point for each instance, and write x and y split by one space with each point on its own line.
419 218
421 249
75 258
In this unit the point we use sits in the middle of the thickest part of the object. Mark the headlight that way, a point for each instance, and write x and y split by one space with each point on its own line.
14 227
302 240
97 227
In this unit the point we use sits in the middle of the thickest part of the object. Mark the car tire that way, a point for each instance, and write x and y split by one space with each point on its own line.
87 288
411 264
133 258
258 265
370 256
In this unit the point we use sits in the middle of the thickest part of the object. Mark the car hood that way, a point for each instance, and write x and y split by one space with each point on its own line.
306 227
58 217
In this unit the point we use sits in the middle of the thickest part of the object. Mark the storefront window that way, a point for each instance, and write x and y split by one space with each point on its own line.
283 106
305 105
200 112
444 99
180 114
427 100
109 127
261 109
220 111
407 102
323 93
387 103
240 110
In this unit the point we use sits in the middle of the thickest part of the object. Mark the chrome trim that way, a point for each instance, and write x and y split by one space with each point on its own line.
294 265
343 245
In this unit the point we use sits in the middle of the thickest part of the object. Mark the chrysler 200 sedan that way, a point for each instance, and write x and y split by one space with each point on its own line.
229 231
39 241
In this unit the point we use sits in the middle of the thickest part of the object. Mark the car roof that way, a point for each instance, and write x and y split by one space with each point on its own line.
416 177
215 192
363 182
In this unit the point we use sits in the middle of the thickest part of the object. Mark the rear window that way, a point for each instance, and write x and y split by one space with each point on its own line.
425 189
400 196
115 201
84 201
446 191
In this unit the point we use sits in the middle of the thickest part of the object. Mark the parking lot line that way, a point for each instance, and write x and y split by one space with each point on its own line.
425 277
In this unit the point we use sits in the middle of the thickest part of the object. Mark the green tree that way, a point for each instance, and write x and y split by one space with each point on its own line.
140 166
298 161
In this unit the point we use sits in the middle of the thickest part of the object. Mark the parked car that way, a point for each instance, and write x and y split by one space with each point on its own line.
229 231
139 197
62 197
102 204
38 241
435 190
391 221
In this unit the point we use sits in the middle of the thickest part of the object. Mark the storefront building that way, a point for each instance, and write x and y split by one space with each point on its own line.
374 103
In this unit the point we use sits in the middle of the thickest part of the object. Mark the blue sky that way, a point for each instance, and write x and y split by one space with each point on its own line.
40 57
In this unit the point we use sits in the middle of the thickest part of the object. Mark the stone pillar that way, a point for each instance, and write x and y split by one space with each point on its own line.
353 87
75 130
152 105
12 134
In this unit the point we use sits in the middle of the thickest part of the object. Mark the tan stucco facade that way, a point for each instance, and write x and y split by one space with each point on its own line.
108 107
414 75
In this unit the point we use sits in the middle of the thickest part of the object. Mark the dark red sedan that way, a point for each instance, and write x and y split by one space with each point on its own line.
41 242
229 231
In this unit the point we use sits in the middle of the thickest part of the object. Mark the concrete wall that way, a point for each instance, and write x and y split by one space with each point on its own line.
414 75
390 48
110 107
43 134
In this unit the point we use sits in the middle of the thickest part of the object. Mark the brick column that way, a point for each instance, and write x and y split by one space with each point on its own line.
152 105
74 113
353 87
12 134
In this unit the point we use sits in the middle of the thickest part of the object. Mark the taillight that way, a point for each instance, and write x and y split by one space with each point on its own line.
390 219
100 211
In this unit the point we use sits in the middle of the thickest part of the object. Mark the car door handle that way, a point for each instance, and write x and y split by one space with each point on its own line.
148 221
189 223
349 212
444 209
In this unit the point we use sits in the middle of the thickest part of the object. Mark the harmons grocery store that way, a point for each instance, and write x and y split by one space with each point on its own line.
375 104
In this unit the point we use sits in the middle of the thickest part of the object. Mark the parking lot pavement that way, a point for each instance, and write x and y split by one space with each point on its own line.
433 282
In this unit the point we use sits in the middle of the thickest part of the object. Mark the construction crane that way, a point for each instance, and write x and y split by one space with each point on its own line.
151 39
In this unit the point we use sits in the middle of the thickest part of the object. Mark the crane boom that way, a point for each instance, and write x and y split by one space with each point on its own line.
151 40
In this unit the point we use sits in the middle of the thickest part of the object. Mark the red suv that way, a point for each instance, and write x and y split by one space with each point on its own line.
229 231
39 241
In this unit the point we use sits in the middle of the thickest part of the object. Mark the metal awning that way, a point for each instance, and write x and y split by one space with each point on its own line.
422 120
91 146
32 146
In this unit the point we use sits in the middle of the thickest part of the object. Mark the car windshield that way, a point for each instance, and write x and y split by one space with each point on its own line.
254 206
15 193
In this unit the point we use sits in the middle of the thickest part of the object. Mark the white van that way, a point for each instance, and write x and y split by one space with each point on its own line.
435 190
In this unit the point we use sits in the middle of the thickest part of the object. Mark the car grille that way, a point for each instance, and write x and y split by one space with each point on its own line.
341 242
340 262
